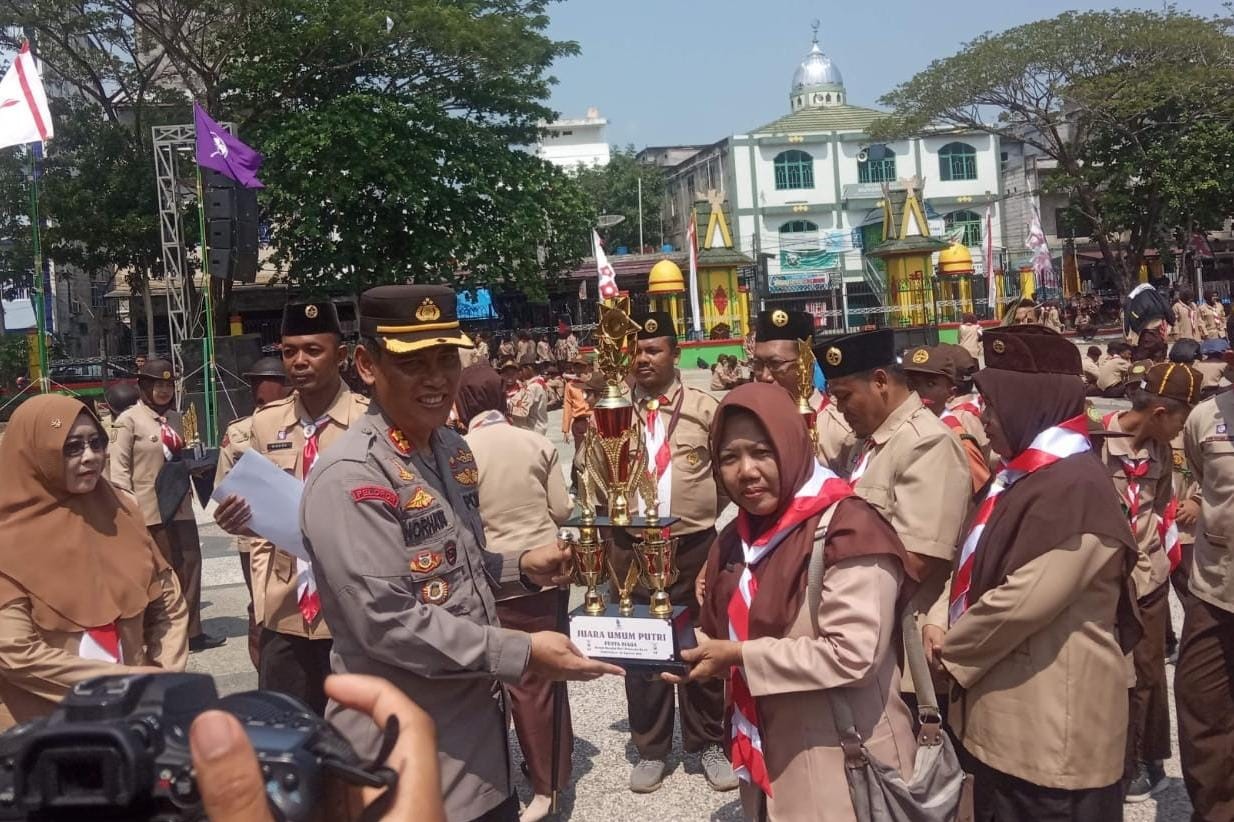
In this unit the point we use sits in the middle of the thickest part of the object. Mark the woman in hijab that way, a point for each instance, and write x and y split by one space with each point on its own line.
149 439
83 590
781 731
523 499
1040 609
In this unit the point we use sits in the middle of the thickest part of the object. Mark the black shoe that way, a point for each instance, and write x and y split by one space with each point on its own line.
1147 780
204 642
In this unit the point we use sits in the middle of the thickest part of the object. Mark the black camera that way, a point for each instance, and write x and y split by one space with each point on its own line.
117 748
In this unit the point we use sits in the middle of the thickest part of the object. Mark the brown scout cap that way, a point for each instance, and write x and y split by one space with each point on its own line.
1174 381
930 360
1030 349
157 369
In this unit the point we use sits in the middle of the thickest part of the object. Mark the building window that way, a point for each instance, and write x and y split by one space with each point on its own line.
802 227
878 167
794 169
957 161
970 221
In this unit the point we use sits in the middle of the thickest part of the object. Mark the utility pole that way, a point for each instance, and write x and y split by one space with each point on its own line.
640 214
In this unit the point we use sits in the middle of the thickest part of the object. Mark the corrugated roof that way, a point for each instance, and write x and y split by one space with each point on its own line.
831 118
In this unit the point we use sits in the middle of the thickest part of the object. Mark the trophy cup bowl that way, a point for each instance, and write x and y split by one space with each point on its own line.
590 565
657 556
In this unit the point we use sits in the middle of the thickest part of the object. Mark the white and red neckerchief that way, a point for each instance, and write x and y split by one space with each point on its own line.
659 452
102 644
308 600
172 442
820 492
1050 446
1167 524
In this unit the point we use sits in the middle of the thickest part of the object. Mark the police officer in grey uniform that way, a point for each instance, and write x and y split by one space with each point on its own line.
391 519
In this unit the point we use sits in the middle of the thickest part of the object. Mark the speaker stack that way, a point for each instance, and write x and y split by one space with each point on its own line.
231 228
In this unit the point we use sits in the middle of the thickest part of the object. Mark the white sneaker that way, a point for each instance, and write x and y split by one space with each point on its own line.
536 809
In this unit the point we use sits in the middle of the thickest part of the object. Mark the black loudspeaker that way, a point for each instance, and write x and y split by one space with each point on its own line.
232 355
906 338
231 235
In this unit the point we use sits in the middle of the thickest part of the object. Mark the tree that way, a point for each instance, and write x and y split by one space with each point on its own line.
1112 97
391 133
614 189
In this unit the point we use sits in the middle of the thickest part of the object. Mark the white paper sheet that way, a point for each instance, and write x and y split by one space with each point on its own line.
273 496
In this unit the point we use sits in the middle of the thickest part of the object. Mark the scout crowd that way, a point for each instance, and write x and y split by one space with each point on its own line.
1028 540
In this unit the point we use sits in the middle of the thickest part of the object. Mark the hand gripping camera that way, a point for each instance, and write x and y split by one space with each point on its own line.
117 748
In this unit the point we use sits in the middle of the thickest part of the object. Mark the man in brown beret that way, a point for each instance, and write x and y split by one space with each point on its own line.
934 373
1138 458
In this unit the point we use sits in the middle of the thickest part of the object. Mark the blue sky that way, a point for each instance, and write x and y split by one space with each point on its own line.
694 71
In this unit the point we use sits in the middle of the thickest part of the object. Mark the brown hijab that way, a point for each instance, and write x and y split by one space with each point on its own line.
1054 504
856 528
480 390
84 560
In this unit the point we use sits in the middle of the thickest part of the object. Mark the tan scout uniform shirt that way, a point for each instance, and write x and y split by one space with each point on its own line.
1092 371
529 408
398 551
693 496
137 457
235 442
279 436
1112 372
1152 567
917 476
1043 681
836 440
1186 321
1209 445
1212 321
1185 486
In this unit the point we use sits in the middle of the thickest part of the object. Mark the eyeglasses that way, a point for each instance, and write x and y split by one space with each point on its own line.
76 447
773 365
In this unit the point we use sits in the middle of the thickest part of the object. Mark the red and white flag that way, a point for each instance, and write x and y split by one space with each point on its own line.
989 251
608 277
696 315
24 117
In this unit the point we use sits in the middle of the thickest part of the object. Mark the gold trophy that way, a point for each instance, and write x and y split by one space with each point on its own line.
805 387
615 460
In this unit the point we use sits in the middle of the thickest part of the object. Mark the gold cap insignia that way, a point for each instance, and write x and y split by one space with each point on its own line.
310 311
834 356
999 347
167 375
55 422
651 326
779 318
921 357
428 311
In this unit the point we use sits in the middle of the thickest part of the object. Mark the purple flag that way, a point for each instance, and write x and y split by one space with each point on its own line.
219 149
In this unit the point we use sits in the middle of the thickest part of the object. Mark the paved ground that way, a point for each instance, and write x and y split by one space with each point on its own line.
602 751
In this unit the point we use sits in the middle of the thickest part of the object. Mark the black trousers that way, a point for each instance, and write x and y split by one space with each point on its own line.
650 699
1148 725
296 666
1204 697
1001 797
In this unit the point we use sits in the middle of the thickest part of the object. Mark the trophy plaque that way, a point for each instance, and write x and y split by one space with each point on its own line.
647 636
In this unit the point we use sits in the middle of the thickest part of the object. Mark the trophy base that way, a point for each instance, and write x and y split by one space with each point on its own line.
607 522
638 640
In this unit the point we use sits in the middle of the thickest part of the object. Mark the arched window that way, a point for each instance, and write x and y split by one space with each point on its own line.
799 235
794 169
798 227
957 161
878 167
970 221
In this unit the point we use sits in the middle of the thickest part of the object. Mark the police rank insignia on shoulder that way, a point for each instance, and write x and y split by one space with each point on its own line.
468 477
435 591
425 562
420 499
399 440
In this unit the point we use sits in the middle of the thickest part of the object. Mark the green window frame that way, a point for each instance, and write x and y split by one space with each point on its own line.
957 161
794 169
970 221
879 167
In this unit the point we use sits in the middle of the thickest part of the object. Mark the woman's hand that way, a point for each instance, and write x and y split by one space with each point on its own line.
932 643
711 659
1188 513
700 586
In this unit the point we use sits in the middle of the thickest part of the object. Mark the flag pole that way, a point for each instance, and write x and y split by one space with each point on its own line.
207 343
40 318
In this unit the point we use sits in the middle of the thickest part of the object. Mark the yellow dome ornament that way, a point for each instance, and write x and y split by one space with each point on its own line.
955 260
665 278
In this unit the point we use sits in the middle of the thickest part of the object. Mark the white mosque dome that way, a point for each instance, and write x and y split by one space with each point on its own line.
816 70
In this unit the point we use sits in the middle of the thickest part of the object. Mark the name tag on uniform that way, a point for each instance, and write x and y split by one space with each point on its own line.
279 446
418 529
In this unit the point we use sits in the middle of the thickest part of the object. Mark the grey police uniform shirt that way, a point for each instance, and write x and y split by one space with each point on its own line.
397 546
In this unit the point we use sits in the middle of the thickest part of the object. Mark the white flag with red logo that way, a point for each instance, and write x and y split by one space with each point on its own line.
24 117
696 316
608 277
989 252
